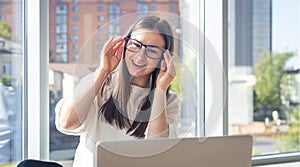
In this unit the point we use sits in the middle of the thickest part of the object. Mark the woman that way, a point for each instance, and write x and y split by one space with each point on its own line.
129 102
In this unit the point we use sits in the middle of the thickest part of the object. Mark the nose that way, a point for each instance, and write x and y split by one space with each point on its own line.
141 53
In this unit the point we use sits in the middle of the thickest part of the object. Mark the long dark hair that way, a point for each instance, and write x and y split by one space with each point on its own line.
114 110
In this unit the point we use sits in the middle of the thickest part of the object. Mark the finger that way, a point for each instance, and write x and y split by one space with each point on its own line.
124 36
171 68
163 66
118 44
167 57
119 52
113 49
114 42
106 44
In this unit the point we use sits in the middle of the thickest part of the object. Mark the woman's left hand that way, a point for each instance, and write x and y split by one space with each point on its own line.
167 72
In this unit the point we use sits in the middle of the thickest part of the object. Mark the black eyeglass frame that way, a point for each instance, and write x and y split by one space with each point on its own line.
153 46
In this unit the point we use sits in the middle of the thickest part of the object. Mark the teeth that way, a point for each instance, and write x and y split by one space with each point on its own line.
138 64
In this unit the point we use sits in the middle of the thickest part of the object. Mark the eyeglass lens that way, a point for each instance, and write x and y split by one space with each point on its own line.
151 51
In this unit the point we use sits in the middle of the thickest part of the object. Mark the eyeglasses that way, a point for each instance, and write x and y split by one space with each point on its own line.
153 52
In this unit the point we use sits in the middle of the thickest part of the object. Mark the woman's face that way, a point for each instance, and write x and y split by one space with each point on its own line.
140 64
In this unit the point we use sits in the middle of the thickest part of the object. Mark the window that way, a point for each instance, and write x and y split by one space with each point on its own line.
61 19
62 58
75 18
75 57
100 27
75 38
12 75
100 47
100 8
142 9
61 38
61 28
100 37
235 64
75 9
75 48
61 9
153 8
61 48
172 8
2 8
270 117
114 12
114 9
62 81
240 67
100 18
2 18
75 28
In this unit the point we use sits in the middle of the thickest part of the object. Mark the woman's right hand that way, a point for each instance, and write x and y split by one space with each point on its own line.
111 54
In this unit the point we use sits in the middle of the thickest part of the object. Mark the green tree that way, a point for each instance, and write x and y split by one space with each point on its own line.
270 79
5 30
290 141
6 80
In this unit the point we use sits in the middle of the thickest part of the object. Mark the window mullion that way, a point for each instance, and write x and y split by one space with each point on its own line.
37 79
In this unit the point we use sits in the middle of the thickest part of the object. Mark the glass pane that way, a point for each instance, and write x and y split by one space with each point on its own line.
264 73
69 64
11 84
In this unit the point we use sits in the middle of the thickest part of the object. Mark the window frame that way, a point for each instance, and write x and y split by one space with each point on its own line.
35 97
36 123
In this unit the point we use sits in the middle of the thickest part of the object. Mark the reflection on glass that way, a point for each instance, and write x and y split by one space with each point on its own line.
69 31
11 70
264 73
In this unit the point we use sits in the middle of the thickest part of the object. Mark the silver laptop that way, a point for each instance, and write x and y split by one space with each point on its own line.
225 151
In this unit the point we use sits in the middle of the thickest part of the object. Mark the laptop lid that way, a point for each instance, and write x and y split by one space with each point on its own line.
225 151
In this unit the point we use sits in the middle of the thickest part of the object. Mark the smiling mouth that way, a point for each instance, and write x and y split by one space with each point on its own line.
138 64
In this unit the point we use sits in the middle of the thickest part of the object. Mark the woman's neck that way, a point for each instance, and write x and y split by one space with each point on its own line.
143 82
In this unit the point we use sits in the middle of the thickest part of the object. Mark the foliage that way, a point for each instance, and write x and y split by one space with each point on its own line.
270 74
255 152
175 84
290 141
6 80
5 30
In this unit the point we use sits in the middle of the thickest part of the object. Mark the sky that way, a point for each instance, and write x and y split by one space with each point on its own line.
286 28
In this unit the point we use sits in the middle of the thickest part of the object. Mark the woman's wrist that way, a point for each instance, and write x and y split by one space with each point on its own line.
99 77
161 89
100 71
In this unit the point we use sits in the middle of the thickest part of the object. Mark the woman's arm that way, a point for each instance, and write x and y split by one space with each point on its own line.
74 109
158 124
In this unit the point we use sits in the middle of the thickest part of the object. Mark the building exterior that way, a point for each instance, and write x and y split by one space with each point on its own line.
249 34
11 13
250 31
75 24
262 28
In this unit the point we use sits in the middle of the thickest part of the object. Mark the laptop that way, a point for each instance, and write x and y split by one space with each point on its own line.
225 151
